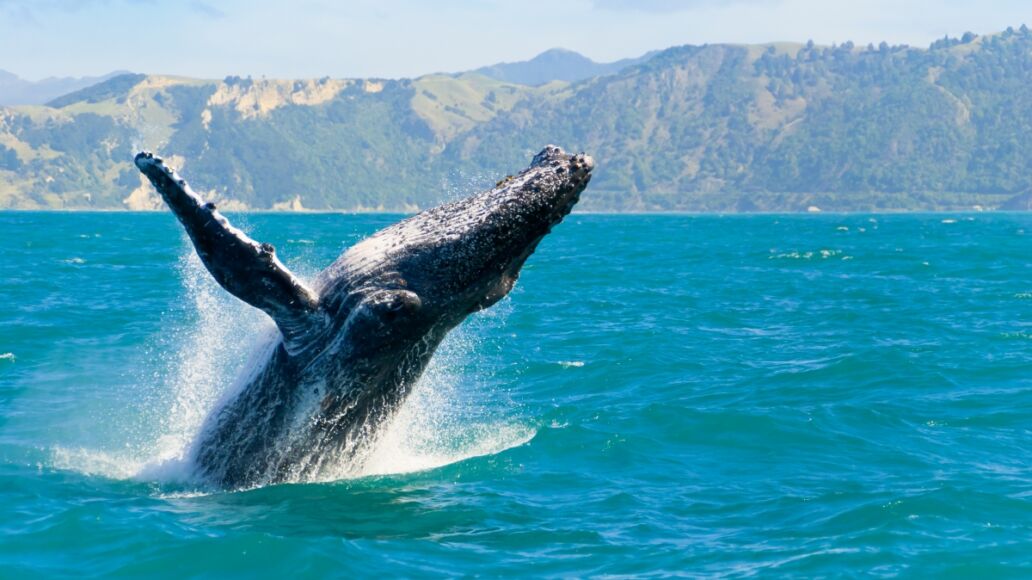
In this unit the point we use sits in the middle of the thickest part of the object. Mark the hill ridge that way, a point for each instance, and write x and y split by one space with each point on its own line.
719 127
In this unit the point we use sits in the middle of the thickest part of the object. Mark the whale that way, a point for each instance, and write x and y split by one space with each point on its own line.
352 342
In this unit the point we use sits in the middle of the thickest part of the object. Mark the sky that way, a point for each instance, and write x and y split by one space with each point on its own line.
408 38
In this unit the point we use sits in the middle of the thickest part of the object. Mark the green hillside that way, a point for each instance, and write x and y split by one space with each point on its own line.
697 128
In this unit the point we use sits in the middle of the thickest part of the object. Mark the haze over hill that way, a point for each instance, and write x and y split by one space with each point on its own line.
696 128
15 90
557 64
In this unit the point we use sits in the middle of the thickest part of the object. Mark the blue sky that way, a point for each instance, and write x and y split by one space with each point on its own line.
394 38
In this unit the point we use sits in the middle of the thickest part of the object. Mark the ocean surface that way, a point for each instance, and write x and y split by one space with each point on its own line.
804 395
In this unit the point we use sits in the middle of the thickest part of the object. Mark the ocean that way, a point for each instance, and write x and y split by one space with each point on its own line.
726 396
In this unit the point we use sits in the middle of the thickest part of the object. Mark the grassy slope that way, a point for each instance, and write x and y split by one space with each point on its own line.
725 128
721 127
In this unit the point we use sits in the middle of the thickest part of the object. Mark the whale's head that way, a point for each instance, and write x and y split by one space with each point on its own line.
432 270
482 242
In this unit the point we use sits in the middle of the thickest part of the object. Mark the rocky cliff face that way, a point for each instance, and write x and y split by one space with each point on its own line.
696 128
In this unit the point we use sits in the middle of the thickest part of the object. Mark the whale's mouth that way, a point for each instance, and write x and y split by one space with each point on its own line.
574 173
580 167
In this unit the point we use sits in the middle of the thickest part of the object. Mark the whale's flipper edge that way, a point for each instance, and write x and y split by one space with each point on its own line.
245 268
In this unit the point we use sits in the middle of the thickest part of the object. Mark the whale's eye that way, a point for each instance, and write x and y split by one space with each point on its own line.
400 300
388 305
382 314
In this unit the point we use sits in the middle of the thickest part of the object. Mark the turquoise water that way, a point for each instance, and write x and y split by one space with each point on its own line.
787 395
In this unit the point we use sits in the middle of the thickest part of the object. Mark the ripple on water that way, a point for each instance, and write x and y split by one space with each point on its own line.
737 413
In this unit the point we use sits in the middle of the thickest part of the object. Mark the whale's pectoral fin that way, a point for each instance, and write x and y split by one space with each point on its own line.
247 269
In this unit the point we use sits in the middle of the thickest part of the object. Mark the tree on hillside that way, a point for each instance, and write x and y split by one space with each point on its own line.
9 159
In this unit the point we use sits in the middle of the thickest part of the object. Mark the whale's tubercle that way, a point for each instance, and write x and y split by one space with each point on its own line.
246 268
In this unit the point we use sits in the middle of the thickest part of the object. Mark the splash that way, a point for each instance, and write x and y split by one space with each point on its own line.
200 367
193 362
96 462
451 415
823 254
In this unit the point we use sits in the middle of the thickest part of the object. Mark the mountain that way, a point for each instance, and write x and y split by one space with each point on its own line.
557 64
782 127
18 91
350 144
777 127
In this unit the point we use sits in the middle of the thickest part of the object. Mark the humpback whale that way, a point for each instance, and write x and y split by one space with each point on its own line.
353 342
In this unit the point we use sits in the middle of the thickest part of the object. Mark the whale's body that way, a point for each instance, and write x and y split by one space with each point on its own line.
352 345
